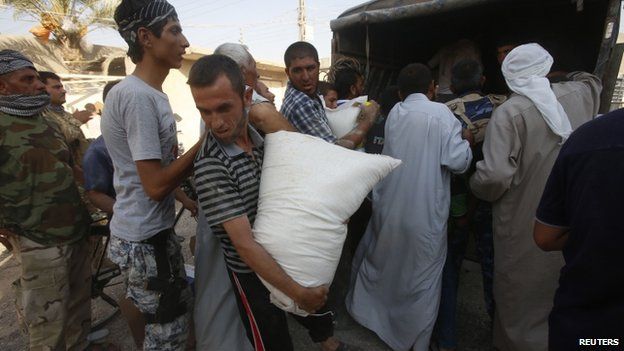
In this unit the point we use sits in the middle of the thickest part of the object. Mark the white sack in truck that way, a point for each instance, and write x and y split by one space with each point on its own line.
343 119
308 190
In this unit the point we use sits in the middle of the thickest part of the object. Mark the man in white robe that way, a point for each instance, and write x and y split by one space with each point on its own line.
397 269
521 145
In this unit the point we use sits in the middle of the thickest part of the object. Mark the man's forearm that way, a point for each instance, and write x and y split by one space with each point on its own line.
549 237
158 181
256 257
356 136
101 201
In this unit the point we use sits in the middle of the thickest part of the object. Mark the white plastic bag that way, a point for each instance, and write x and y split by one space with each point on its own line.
343 119
308 190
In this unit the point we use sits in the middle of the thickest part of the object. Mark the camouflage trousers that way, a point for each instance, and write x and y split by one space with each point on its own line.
53 293
137 263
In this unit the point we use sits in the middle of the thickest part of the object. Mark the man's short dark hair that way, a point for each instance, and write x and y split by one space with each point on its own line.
126 9
505 39
298 50
344 80
414 78
107 88
45 75
466 76
388 98
208 69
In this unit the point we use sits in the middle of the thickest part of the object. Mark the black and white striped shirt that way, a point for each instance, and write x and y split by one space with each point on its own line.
228 182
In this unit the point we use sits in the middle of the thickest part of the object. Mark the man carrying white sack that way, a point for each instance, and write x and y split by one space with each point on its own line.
227 175
520 148
302 104
397 269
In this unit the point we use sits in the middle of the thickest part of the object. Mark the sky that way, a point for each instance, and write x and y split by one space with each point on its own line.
266 27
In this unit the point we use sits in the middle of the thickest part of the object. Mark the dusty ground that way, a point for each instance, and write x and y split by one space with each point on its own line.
474 329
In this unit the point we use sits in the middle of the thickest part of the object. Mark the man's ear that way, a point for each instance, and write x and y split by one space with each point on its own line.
144 36
482 81
401 97
287 73
431 94
353 90
247 96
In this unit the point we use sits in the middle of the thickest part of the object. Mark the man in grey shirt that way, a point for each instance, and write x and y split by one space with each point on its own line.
140 133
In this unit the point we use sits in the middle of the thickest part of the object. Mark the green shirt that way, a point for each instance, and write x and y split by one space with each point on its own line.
38 196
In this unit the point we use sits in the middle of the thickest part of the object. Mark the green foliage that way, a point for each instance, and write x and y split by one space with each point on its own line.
67 20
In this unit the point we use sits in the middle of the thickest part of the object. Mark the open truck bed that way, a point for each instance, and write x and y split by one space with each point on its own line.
386 35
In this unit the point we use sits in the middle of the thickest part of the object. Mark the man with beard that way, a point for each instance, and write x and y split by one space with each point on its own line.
41 216
523 138
69 124
227 175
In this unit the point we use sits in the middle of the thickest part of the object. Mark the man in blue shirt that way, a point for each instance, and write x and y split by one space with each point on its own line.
579 214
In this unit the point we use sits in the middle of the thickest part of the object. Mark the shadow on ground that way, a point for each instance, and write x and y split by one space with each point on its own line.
473 322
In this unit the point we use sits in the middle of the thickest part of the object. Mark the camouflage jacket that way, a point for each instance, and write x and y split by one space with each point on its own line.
70 128
38 196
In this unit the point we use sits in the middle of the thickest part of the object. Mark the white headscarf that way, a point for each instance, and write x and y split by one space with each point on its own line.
525 69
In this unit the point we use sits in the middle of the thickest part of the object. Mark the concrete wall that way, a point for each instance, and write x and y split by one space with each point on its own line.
179 95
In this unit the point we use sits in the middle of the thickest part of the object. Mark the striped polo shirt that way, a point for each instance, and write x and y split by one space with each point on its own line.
228 182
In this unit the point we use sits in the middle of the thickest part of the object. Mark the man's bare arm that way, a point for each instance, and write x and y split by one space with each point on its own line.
264 116
101 201
256 257
186 201
365 120
159 181
550 238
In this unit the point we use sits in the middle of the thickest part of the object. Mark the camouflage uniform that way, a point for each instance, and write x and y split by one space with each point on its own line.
73 135
78 144
137 263
39 203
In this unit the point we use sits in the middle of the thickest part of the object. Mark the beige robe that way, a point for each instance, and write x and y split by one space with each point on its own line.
519 152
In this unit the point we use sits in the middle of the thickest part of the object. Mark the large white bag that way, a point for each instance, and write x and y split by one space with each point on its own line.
308 190
343 119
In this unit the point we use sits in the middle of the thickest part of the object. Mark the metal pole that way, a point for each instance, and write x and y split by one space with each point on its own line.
302 21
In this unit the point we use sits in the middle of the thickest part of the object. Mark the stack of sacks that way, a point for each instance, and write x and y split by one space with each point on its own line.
343 119
308 190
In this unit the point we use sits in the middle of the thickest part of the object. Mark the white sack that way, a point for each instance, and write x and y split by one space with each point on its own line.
308 190
342 119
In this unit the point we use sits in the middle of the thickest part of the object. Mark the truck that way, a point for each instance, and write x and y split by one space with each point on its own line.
386 35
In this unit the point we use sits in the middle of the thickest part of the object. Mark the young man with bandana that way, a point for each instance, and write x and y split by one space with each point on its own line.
522 142
140 133
41 216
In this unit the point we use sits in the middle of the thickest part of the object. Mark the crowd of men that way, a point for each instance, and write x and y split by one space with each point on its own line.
509 168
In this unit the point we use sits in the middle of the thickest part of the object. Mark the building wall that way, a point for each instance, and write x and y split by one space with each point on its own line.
179 94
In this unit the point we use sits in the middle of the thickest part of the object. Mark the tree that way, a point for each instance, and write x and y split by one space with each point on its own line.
67 20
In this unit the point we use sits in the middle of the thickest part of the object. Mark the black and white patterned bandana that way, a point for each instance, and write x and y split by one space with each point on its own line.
11 60
19 104
24 105
146 16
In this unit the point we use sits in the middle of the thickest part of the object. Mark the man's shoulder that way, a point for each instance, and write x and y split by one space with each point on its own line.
295 98
211 153
514 105
130 88
97 150
30 127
